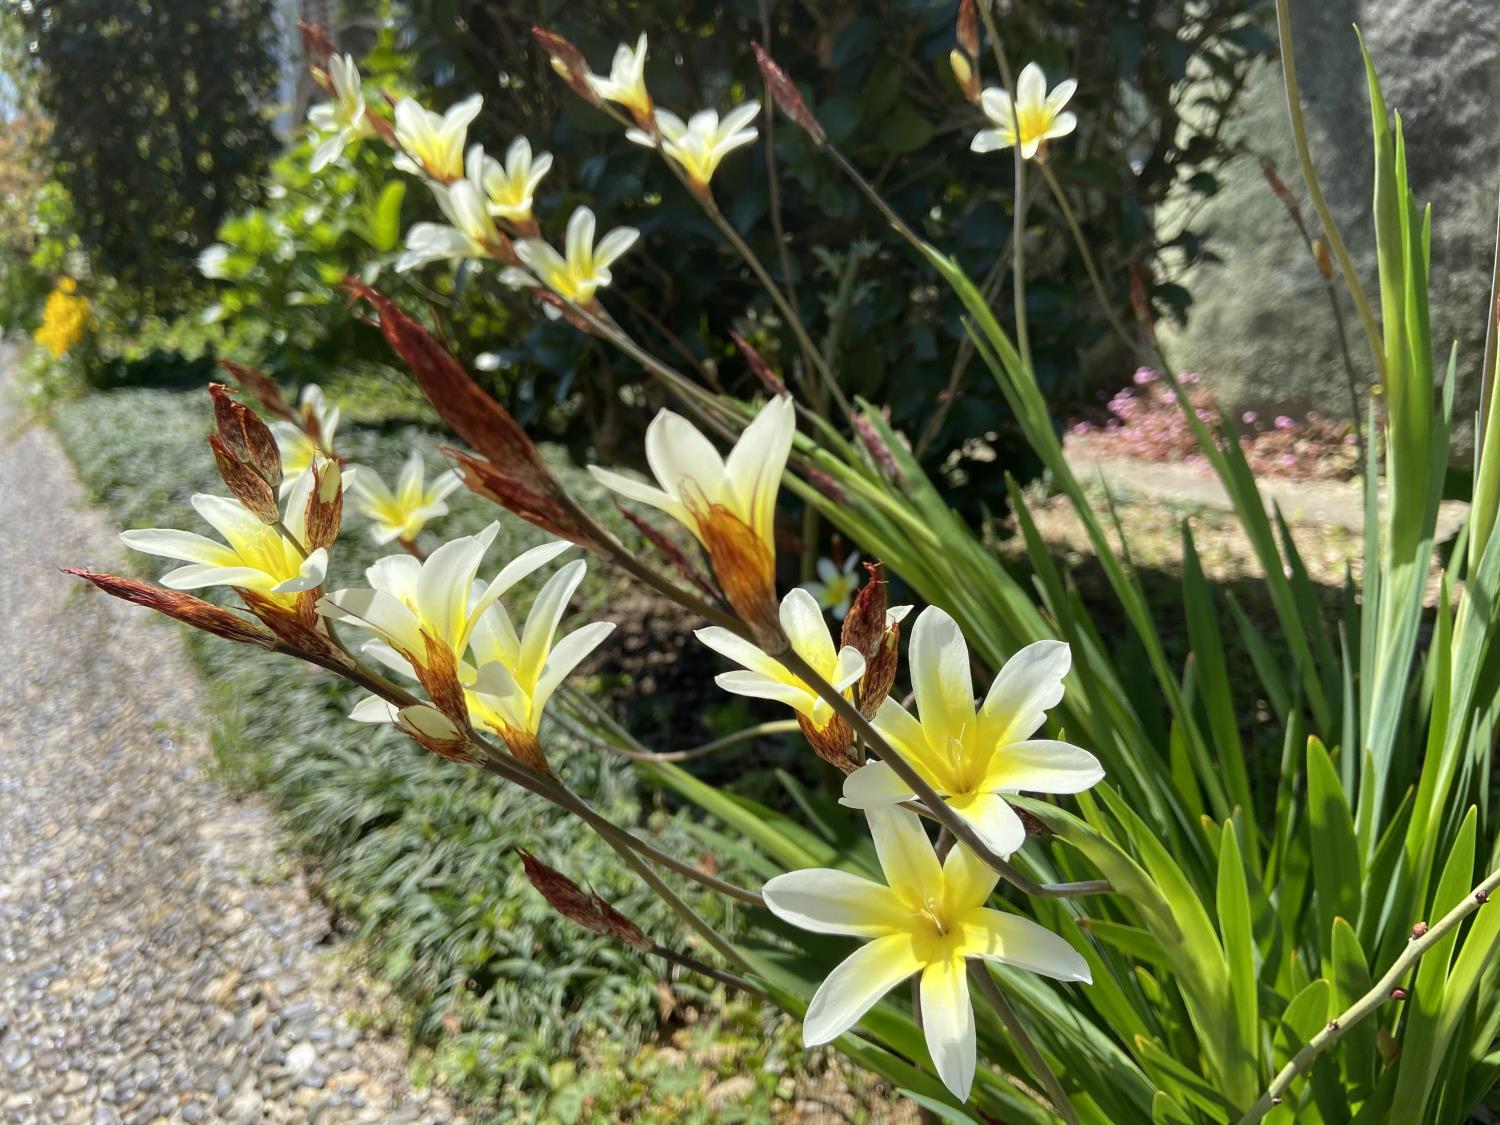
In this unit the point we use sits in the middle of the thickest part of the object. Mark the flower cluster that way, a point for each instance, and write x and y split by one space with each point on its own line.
66 316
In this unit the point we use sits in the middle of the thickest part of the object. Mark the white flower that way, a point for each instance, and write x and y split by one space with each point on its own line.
212 261
626 83
930 918
699 145
697 485
433 144
403 513
343 120
972 758
584 270
300 445
257 557
508 190
1039 113
766 678
469 232
427 607
835 588
516 674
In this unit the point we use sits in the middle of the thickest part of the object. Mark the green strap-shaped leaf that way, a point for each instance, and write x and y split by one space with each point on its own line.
1335 851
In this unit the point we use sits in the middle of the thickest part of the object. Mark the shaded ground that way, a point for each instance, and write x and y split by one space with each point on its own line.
158 960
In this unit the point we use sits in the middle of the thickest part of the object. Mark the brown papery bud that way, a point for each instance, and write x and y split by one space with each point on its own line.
1320 255
315 42
577 905
768 378
1282 192
515 474
245 436
568 62
437 672
180 607
244 484
261 387
834 743
825 484
325 504
880 672
967 29
864 624
784 93
297 626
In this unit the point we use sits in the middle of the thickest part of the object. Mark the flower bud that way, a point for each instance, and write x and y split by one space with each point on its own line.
325 504
864 624
768 378
785 95
880 672
745 570
180 607
870 438
587 910
261 387
834 743
1320 255
964 74
825 484
245 436
967 29
244 484
568 61
512 473
315 43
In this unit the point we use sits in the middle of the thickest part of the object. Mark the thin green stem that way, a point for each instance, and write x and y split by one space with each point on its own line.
980 972
1379 994
694 965
1315 191
794 322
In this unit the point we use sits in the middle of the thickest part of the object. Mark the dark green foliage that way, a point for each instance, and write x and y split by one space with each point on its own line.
159 123
877 76
417 853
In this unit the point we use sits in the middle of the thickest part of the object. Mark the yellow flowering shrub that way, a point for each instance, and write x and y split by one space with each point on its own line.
65 318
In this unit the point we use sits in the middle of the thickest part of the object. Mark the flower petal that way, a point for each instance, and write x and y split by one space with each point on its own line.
1031 87
643 493
1012 940
802 621
680 455
566 655
939 662
948 1024
541 623
995 821
968 881
741 651
826 901
906 854
1030 684
856 985
873 785
758 686
189 546
1042 765
757 461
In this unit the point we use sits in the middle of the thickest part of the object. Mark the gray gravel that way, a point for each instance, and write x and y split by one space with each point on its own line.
160 961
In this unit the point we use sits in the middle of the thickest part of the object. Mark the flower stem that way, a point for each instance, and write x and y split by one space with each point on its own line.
981 974
1379 994
1310 177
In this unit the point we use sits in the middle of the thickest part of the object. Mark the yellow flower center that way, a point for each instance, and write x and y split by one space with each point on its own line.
1034 120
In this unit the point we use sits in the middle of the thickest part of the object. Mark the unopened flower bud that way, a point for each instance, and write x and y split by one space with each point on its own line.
325 504
1320 255
180 607
964 74
967 28
870 438
864 624
244 484
315 43
261 387
568 61
825 484
245 437
577 905
768 378
786 96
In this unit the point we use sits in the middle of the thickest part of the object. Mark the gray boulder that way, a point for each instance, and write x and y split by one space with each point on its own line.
1260 328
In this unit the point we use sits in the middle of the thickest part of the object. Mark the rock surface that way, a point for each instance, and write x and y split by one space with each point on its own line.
1260 328
159 961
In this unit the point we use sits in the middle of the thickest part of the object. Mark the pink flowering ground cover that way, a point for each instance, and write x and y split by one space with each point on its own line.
1144 422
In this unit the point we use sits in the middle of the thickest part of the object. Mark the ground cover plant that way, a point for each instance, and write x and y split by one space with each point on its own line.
1120 917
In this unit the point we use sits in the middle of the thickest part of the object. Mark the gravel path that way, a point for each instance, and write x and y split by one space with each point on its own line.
159 961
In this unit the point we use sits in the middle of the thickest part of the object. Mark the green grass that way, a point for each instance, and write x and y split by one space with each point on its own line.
524 1014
